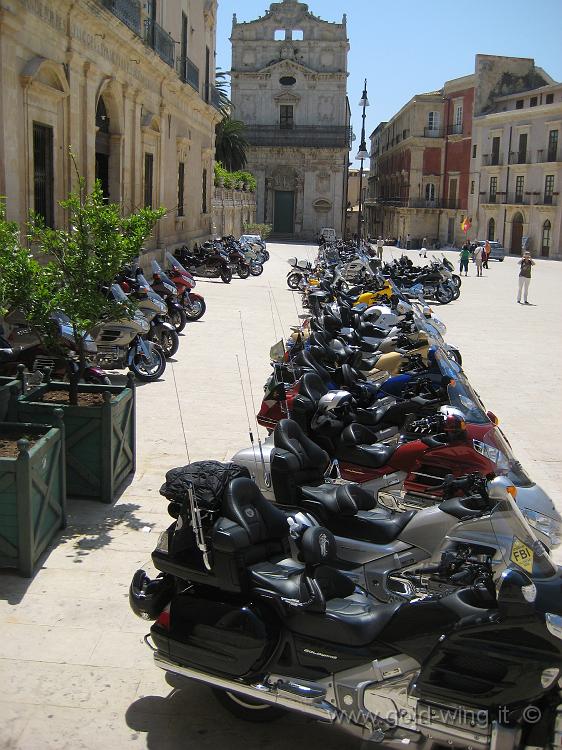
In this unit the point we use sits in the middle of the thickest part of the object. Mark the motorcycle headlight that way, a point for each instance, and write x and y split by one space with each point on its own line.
554 624
546 525
162 543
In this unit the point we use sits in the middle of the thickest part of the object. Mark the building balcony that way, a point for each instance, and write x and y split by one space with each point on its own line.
160 41
520 157
433 132
549 154
492 160
518 199
188 72
313 137
547 199
128 11
456 129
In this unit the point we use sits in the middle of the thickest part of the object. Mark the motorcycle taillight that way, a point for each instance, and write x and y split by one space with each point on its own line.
164 618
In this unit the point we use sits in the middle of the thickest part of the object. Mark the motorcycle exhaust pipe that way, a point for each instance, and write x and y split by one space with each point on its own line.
303 699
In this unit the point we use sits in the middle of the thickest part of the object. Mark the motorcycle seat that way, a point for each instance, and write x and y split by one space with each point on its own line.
374 526
371 456
340 499
354 620
359 433
282 578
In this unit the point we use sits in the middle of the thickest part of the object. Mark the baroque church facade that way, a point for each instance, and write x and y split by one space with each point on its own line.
289 83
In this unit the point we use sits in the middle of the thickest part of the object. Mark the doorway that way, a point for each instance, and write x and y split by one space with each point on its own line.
516 234
283 215
103 147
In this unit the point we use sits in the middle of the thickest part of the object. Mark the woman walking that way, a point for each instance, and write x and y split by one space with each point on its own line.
465 257
478 252
526 263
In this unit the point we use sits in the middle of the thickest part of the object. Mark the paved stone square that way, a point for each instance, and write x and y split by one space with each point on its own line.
76 674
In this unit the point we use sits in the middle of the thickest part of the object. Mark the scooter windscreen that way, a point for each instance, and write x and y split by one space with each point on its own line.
460 392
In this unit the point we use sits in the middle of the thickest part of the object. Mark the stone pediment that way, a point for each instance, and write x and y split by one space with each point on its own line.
287 66
286 97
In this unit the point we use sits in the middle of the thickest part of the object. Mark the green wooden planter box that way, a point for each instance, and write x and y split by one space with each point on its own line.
100 440
32 493
5 391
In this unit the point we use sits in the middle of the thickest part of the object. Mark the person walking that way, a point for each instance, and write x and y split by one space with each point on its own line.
486 254
526 263
423 249
380 246
477 257
465 257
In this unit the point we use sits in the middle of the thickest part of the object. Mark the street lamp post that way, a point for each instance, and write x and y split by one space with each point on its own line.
361 155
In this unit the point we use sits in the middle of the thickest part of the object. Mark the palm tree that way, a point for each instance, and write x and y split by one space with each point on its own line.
222 86
230 144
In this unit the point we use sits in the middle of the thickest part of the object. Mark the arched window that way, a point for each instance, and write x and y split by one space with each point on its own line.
545 243
430 191
491 230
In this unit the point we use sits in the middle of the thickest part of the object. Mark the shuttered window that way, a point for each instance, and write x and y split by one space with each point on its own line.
43 177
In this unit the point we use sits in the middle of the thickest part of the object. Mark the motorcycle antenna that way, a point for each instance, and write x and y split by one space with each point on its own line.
180 412
250 433
266 475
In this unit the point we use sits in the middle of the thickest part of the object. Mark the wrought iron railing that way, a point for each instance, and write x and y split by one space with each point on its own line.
520 157
314 137
433 132
549 154
128 11
492 160
188 72
455 129
159 40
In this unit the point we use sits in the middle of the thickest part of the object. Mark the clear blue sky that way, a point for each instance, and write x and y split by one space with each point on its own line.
404 47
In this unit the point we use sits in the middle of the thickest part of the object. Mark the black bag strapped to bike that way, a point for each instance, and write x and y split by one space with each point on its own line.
206 481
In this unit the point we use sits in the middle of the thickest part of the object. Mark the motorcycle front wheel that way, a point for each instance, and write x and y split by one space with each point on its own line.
151 370
226 275
177 319
169 343
443 295
266 254
294 280
456 292
256 269
194 310
247 709
457 280
243 270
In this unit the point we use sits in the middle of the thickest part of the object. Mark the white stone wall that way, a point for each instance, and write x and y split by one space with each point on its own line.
57 59
232 209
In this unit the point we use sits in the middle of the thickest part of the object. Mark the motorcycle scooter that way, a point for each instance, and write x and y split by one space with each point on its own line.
210 262
155 310
165 287
121 344
193 304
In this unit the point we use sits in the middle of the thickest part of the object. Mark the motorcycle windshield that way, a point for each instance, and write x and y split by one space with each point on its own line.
158 270
460 392
518 545
118 294
175 264
144 286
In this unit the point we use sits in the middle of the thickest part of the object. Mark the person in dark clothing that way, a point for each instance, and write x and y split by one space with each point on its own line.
526 263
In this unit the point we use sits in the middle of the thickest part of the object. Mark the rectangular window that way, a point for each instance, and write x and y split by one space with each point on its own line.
181 182
549 98
458 114
207 74
474 152
522 153
204 192
552 145
472 187
148 179
493 189
183 48
519 187
519 104
43 177
548 188
433 121
495 150
286 116
453 193
533 102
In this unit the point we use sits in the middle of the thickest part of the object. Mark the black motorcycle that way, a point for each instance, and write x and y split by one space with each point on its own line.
256 610
211 261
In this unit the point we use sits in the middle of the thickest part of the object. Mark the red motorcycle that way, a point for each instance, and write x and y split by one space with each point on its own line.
193 304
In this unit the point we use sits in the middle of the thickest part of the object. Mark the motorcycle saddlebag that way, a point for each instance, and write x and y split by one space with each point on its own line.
213 634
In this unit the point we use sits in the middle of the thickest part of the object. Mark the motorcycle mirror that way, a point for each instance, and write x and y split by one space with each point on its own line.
492 417
516 592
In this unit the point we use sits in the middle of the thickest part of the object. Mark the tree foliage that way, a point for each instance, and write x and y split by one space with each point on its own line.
230 144
73 268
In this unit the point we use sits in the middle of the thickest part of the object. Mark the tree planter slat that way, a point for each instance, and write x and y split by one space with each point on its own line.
32 494
5 390
100 440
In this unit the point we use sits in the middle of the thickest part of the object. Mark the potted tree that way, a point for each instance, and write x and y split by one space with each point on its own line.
72 273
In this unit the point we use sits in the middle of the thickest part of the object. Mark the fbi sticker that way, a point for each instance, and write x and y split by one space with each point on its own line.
522 555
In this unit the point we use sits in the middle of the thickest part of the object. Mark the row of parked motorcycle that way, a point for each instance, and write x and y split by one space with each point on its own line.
351 270
382 562
164 301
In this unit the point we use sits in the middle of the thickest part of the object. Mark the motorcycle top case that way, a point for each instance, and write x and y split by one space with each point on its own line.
214 635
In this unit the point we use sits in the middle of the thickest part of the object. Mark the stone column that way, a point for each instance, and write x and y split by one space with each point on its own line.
299 201
91 79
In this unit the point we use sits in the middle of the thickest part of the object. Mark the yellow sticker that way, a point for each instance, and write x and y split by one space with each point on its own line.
522 555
